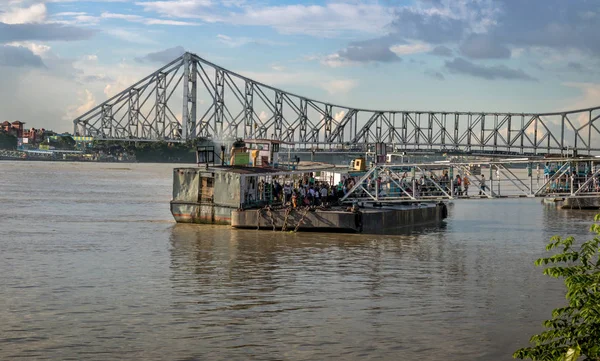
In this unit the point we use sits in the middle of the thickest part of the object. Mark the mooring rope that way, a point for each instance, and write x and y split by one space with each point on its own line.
302 219
270 214
285 220
258 217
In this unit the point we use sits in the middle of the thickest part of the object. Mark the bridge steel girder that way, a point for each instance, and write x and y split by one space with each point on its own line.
220 104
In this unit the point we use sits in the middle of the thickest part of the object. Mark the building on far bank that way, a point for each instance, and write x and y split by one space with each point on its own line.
15 128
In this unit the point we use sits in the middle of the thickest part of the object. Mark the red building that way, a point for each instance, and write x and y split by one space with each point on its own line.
15 128
6 126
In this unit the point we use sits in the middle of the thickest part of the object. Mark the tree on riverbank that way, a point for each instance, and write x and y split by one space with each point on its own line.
7 141
574 330
150 151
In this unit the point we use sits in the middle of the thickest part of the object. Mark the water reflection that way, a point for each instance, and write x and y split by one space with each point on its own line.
558 221
352 293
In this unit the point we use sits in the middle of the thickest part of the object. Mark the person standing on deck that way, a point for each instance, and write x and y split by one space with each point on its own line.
311 180
466 182
324 194
482 186
287 192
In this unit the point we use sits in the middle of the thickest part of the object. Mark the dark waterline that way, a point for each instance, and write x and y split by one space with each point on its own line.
94 268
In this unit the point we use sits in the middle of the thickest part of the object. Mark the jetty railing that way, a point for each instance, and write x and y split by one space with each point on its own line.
505 178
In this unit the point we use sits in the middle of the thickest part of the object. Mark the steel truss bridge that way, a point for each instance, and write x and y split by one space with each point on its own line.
506 178
192 98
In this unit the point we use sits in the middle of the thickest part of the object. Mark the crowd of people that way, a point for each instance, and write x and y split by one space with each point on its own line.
308 190
561 180
424 185
311 190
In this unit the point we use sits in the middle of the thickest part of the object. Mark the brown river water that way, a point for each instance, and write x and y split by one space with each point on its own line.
92 267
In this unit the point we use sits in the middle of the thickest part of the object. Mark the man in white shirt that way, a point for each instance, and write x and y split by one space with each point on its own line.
287 192
324 194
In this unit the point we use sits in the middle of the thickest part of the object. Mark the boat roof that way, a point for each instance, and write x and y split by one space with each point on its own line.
249 171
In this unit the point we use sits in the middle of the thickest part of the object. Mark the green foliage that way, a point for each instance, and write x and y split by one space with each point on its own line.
7 141
64 142
150 151
574 330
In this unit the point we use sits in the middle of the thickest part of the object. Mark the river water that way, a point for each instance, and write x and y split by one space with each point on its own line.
93 267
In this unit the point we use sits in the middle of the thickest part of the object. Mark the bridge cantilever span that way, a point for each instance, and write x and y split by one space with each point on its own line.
193 98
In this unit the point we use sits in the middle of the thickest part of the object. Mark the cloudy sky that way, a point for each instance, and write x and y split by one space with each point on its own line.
59 58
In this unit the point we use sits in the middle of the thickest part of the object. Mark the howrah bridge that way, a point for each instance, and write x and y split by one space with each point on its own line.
192 98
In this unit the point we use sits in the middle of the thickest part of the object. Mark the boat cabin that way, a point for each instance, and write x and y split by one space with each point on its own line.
209 194
263 152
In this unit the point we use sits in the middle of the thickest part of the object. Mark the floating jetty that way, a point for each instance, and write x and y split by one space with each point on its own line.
250 196
552 200
581 203
369 218
231 195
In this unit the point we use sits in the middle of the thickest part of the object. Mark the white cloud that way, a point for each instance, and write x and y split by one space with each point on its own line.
339 115
181 9
334 60
286 78
91 58
327 20
263 115
16 15
98 1
168 22
37 49
481 15
86 102
333 86
590 97
130 36
125 76
236 42
413 48
144 20
229 41
121 16
516 52
339 86
75 18
69 13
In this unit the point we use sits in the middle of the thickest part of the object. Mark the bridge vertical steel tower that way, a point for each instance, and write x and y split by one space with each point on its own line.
219 104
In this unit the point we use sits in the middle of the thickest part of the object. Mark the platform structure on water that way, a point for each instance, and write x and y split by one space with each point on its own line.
556 179
304 196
